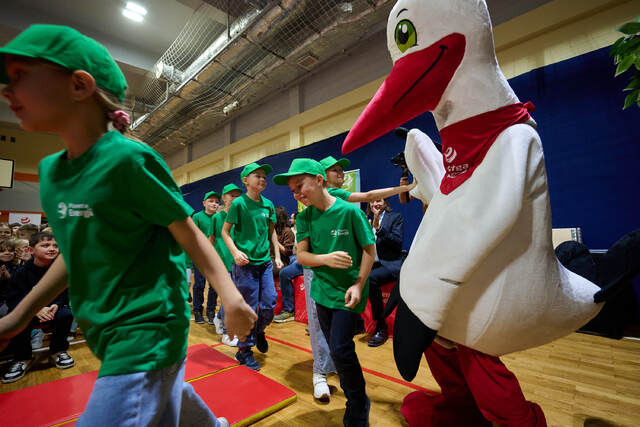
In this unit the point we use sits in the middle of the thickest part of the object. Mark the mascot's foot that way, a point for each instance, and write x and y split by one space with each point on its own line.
421 409
411 338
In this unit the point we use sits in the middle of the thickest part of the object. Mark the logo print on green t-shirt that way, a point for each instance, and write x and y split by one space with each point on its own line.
339 232
74 209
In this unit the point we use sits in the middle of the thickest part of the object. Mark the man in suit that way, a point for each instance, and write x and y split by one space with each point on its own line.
388 227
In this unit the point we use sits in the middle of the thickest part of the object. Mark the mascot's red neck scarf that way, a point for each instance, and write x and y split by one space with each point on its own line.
465 143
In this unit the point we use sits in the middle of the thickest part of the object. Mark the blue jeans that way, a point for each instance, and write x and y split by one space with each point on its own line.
287 274
338 326
255 283
199 282
322 362
153 398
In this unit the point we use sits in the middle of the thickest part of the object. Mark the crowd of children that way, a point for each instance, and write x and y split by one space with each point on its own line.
119 194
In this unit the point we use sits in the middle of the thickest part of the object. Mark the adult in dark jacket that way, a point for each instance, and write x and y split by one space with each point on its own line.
388 227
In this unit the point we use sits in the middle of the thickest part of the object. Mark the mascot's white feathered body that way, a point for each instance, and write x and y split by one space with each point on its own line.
481 270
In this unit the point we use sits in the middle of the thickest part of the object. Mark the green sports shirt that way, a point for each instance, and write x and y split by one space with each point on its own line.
342 227
203 221
252 221
216 230
338 192
109 210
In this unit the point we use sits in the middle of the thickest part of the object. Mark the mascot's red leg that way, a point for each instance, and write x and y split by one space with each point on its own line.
455 406
497 392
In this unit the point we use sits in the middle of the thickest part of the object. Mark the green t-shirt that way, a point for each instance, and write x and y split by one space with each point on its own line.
251 221
216 230
342 227
338 192
203 220
109 210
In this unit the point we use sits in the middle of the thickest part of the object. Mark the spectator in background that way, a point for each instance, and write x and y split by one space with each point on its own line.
8 267
286 238
388 228
23 254
5 231
45 251
287 241
292 222
26 231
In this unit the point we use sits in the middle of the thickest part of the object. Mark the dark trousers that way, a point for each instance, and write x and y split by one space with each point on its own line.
199 282
338 326
286 283
378 277
21 344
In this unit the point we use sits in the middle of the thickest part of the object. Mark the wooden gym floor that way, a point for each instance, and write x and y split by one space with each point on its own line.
578 380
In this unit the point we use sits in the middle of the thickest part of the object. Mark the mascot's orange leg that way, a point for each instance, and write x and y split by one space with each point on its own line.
477 389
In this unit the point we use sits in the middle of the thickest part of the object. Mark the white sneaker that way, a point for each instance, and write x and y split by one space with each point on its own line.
223 422
228 341
320 387
218 324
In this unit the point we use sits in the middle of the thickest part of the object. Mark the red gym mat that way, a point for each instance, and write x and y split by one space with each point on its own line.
243 396
61 400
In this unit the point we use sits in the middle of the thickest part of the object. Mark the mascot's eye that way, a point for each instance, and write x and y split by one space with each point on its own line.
406 36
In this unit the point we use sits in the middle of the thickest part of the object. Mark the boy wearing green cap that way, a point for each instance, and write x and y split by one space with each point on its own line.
254 218
229 193
334 170
129 292
203 220
336 241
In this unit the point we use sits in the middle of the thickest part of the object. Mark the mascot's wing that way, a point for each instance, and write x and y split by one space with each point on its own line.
425 163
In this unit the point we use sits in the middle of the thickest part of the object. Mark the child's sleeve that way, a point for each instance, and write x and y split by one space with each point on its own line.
232 215
155 196
302 225
362 229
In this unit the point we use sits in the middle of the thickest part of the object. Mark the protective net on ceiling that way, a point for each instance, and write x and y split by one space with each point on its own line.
232 53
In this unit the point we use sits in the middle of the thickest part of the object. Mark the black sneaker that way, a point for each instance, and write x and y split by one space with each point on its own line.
211 315
246 358
261 343
16 371
198 317
62 360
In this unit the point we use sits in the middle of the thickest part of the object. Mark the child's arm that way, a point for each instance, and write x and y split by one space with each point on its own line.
380 193
239 317
353 294
276 244
52 283
239 257
337 259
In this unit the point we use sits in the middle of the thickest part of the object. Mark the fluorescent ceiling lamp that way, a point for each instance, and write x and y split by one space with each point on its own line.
132 15
135 7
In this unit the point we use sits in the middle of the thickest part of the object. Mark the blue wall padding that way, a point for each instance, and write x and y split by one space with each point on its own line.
592 151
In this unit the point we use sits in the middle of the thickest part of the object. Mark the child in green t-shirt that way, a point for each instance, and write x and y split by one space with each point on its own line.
254 217
129 291
334 170
203 220
229 193
336 241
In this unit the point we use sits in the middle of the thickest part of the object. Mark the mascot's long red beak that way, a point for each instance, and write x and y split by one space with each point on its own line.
415 85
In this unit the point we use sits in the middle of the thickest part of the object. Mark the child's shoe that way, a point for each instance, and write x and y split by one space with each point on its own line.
211 315
226 340
261 343
62 360
283 317
16 371
222 422
198 317
321 388
217 322
246 358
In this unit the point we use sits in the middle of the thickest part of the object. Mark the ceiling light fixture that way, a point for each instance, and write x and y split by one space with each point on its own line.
134 11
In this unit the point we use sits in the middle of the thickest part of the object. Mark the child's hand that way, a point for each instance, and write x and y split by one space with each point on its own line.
413 184
352 296
279 263
239 319
4 273
240 258
338 259
47 313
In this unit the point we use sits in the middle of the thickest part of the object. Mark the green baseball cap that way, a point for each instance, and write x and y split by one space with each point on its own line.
69 48
230 187
251 167
329 161
299 167
211 194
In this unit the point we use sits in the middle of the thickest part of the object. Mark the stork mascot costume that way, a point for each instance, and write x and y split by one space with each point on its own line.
481 272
